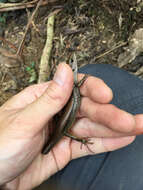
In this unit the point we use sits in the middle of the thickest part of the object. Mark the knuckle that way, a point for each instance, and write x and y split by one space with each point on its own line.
54 95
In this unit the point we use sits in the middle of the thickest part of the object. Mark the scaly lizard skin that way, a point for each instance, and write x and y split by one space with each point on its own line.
68 116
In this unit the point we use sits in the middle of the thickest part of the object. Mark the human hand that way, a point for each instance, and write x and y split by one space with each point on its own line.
24 123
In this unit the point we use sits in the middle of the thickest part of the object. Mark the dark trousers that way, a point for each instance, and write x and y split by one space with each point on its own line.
117 170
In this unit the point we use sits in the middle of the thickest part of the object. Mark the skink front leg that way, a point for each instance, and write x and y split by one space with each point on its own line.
80 83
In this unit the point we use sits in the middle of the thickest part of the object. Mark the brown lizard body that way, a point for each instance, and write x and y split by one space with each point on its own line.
68 116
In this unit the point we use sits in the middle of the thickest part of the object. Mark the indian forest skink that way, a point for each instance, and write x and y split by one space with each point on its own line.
68 114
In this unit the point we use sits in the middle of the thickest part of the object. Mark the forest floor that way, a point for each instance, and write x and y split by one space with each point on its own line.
98 31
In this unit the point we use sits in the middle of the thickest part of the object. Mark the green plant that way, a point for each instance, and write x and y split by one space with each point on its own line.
32 72
3 17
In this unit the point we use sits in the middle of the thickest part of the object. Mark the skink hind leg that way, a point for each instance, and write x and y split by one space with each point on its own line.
84 141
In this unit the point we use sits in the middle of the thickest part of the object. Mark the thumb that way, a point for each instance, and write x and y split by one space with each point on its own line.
52 101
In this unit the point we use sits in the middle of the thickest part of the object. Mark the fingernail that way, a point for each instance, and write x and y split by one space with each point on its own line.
61 74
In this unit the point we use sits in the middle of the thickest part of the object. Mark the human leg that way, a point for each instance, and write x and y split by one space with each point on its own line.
121 169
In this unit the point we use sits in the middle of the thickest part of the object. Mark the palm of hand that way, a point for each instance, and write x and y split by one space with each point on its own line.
27 156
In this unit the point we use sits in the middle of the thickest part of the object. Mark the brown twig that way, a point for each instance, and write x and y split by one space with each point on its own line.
16 6
8 43
109 51
44 65
19 51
